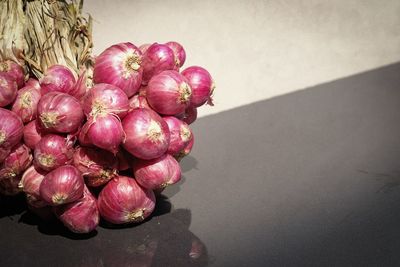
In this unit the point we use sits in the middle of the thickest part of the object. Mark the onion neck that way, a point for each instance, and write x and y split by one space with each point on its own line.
26 100
134 216
132 64
4 66
98 109
47 160
185 92
2 137
49 119
185 133
154 132
59 198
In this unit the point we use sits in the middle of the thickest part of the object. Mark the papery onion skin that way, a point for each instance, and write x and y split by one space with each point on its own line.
58 78
123 201
14 70
106 98
147 134
120 65
32 134
81 216
201 83
30 184
80 87
11 130
59 113
104 132
186 151
9 186
97 166
189 116
169 93
158 57
138 101
179 53
157 173
62 185
8 89
180 134
26 102
143 48
52 151
16 162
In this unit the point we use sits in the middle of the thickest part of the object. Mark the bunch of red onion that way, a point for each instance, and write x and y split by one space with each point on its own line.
101 152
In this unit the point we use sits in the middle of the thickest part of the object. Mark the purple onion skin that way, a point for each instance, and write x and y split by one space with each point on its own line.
59 113
11 131
58 78
157 173
25 104
169 93
143 48
30 184
14 70
120 65
179 53
147 134
180 134
123 201
106 98
189 116
81 216
61 186
32 134
186 151
201 83
52 151
158 57
138 101
19 159
33 83
8 89
104 132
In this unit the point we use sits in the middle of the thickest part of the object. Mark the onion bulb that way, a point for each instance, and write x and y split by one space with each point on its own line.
25 104
201 83
16 162
11 130
30 184
186 151
32 134
158 57
180 134
8 89
179 53
58 78
14 70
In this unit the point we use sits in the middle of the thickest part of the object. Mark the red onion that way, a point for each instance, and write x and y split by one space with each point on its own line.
189 116
104 132
80 87
25 104
143 48
147 134
9 186
138 101
157 173
33 83
158 57
59 113
97 166
184 152
125 159
123 201
106 98
201 83
16 162
14 70
11 129
52 151
31 134
8 89
169 93
180 134
58 78
179 53
120 65
81 216
30 184
63 185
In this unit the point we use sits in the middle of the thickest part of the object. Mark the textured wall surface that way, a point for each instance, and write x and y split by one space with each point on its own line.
257 49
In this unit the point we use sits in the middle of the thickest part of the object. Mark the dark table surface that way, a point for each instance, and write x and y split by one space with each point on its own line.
305 179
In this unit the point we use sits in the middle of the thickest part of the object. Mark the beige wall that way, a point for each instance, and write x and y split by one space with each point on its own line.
258 49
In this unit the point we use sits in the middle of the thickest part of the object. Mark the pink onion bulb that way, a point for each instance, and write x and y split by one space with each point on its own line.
25 104
138 101
105 98
60 113
14 70
104 131
201 83
58 78
33 83
52 151
62 185
186 151
143 48
123 201
120 65
11 129
179 53
8 89
157 173
81 216
16 162
97 166
189 116
32 134
30 184
9 186
147 134
158 57
180 134
169 93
